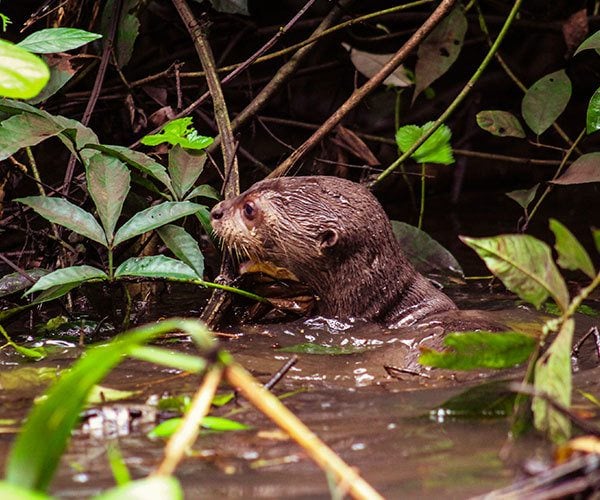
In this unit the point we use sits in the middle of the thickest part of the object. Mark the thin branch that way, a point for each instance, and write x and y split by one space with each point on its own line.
358 95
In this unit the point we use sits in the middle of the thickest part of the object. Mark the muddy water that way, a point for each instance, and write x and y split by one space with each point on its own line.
383 426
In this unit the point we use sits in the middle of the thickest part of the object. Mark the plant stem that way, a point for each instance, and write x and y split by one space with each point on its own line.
556 174
111 275
581 296
422 205
324 456
187 432
459 98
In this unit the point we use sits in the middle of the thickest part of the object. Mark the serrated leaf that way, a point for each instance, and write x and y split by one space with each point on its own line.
436 149
584 169
22 74
591 42
51 40
592 119
423 251
15 282
204 191
524 264
25 130
154 217
69 276
524 197
152 487
473 350
545 101
440 49
500 123
108 182
140 161
184 169
155 266
180 132
65 213
553 378
369 64
571 254
184 246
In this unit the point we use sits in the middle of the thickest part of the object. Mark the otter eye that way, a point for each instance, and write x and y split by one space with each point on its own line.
249 210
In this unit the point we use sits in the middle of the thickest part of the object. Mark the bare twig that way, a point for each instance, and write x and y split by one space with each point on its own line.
438 14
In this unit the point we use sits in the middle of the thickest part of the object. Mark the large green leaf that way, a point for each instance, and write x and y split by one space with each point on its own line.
37 450
141 161
154 217
184 169
553 378
500 123
157 487
592 121
472 350
524 264
584 169
51 40
22 74
68 276
65 213
155 266
185 248
108 184
571 254
545 100
440 49
436 149
23 130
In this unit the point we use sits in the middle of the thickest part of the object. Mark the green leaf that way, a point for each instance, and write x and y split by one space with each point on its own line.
205 191
592 121
311 348
184 246
27 378
50 422
51 40
101 394
108 182
65 213
571 254
167 428
16 282
524 264
172 359
180 132
489 400
127 28
135 159
596 236
152 487
524 197
591 42
553 378
61 72
22 74
155 266
436 149
25 130
584 169
423 251
70 276
545 101
184 169
473 350
440 49
500 123
10 491
117 464
154 217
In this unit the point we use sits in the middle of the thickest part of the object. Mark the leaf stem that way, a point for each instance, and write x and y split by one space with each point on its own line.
459 98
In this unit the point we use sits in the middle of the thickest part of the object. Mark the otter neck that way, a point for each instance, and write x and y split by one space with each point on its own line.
372 289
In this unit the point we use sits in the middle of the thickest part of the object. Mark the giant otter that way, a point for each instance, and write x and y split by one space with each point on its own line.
334 236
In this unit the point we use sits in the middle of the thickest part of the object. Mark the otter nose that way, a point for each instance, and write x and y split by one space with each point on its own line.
217 212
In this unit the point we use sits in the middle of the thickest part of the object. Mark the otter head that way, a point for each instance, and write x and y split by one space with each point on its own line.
308 225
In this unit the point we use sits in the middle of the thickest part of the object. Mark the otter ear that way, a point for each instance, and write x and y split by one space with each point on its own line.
328 238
